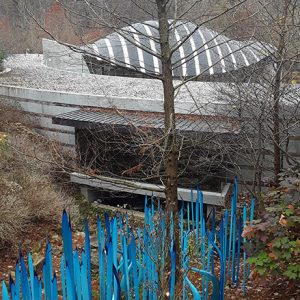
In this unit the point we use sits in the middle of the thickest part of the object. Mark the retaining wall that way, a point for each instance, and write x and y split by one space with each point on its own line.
45 104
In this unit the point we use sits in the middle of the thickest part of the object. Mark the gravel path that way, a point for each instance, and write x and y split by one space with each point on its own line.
29 71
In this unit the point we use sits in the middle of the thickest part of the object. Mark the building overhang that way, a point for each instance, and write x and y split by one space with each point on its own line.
92 118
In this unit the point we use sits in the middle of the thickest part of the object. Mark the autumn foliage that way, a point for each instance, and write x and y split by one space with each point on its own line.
276 236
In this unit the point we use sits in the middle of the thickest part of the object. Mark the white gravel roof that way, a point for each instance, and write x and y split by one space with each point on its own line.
28 71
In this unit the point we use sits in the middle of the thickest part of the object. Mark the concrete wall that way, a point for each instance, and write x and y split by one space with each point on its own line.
61 57
44 104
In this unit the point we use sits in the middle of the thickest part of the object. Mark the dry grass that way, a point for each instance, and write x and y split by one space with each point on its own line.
11 115
44 201
13 213
32 170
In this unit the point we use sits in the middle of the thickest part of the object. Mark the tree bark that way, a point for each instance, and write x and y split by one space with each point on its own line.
279 59
170 156
276 127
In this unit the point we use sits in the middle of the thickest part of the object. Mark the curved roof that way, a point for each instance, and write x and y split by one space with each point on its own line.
204 52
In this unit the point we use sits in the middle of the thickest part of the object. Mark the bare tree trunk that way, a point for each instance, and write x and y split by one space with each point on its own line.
276 93
276 127
170 151
259 168
276 117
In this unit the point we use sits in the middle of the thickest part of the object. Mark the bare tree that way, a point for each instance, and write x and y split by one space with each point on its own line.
266 100
110 14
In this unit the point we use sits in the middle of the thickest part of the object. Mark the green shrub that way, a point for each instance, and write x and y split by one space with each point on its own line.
3 55
276 237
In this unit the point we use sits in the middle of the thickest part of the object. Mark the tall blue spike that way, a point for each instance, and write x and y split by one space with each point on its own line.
201 206
85 288
133 258
244 255
213 279
54 289
77 277
70 285
192 204
127 225
188 216
40 289
87 246
12 288
31 274
36 283
251 223
115 248
185 264
195 292
107 225
233 256
5 295
240 225
24 280
202 234
139 245
203 249
152 204
208 262
125 272
18 280
117 293
213 231
145 264
197 221
162 254
181 226
236 186
47 271
63 277
225 246
223 255
102 275
67 245
173 273
109 272
232 228
252 211
45 282
101 256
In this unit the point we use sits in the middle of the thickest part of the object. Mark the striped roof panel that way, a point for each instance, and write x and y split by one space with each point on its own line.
204 52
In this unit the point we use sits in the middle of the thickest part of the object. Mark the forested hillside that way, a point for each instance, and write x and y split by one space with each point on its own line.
16 21
75 22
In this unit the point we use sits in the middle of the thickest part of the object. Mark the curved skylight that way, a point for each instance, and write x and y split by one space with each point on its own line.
204 52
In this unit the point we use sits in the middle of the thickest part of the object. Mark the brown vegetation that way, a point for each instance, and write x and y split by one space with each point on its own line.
30 167
15 21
